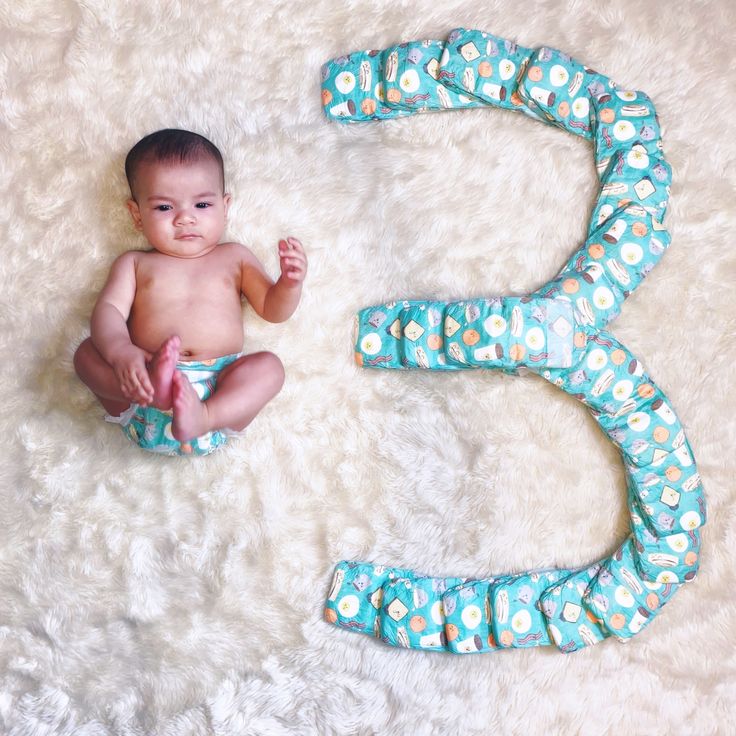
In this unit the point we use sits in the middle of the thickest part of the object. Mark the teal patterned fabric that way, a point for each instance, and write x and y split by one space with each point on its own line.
558 332
150 428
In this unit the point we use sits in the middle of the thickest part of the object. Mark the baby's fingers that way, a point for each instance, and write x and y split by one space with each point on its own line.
295 255
131 394
296 244
290 246
144 382
295 272
143 390
294 258
133 390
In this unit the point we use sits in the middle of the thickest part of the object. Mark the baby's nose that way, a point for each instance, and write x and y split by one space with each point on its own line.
184 216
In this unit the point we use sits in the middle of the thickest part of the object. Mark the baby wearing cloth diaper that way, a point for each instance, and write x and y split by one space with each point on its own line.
164 356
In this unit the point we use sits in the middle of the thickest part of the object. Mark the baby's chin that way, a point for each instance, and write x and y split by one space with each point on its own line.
186 247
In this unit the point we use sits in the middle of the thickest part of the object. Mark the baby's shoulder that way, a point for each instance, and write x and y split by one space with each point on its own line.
133 257
127 261
231 246
125 268
235 251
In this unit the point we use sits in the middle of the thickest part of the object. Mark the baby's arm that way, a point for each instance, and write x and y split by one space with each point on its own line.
110 332
275 302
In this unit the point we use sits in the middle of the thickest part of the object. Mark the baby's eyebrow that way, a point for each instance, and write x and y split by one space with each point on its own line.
171 199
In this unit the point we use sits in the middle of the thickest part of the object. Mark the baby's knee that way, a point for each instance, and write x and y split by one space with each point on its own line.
82 356
274 368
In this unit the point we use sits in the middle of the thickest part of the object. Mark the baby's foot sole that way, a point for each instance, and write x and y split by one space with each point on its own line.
190 414
161 372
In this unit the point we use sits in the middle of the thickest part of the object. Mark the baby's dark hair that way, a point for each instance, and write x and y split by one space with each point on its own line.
171 146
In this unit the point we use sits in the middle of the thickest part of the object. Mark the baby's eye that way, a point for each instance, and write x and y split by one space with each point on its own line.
203 205
163 207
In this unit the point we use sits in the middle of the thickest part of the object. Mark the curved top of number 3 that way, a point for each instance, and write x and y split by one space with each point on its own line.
557 332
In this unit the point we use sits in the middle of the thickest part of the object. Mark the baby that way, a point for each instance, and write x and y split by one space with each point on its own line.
164 354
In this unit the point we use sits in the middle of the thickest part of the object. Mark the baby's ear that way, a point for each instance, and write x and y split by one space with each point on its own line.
226 199
135 213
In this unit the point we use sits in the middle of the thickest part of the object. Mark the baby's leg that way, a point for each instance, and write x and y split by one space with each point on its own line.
243 389
100 378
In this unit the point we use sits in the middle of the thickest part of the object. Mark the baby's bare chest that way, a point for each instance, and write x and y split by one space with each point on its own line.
164 282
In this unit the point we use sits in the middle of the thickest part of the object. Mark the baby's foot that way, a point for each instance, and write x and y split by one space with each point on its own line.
161 371
190 414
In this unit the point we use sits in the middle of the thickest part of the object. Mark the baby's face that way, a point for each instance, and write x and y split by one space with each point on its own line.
180 207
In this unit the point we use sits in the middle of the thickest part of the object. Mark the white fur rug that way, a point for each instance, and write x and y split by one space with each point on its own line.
146 595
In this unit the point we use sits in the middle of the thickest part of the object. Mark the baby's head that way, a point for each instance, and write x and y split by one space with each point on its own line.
170 146
177 187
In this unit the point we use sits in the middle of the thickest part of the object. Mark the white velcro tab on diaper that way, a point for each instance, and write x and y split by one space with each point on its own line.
124 418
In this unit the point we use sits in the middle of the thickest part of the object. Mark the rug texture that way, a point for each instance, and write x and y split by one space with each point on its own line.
149 595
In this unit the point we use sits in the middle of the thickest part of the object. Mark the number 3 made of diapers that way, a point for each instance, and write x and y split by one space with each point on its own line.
557 332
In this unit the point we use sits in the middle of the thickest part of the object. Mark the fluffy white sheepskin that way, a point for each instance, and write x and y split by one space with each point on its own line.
147 595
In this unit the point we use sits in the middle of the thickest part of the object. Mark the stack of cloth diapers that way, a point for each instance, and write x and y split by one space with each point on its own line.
558 332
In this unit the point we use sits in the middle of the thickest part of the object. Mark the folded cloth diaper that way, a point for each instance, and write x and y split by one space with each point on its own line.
150 428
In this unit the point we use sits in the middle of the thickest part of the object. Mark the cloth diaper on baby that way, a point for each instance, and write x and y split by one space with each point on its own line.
150 428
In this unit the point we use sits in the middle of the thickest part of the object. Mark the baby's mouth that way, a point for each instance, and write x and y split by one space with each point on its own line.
187 236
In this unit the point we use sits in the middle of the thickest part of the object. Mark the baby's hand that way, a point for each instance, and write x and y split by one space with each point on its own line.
129 365
293 261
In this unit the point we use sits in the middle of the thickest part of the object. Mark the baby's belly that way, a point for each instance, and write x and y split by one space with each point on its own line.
204 333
